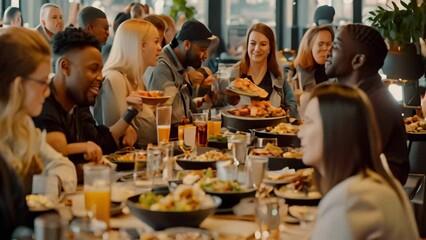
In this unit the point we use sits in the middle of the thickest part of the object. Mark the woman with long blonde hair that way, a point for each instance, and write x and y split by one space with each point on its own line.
25 60
136 46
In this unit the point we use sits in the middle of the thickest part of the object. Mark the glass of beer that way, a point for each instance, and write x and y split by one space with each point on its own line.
163 118
200 121
97 191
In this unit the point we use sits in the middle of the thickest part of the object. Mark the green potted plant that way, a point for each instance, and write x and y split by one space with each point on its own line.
179 6
402 28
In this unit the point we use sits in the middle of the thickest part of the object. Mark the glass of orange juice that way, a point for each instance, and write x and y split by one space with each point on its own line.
163 115
97 191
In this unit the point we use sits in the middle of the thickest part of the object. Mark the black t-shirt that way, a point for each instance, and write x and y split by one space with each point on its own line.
78 126
266 83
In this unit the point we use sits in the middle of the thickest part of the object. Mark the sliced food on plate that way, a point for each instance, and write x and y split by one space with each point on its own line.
244 86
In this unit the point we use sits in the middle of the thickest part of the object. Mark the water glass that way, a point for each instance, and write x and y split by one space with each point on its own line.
257 167
238 144
262 142
97 191
267 214
47 185
139 176
154 167
200 121
163 116
226 170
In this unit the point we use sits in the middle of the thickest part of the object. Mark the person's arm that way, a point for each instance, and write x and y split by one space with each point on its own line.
91 151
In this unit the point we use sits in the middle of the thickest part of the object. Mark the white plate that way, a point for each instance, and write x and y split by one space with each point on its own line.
307 213
238 91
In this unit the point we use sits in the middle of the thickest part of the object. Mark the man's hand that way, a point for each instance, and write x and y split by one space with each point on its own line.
93 152
233 98
195 77
135 101
130 137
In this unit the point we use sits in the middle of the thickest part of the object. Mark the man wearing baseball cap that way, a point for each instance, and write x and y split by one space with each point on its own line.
187 49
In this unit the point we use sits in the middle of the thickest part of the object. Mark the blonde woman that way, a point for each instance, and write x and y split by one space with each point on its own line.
136 46
25 59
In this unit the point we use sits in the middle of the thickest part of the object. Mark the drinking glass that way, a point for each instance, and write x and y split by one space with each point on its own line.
47 185
200 121
257 166
139 176
226 170
238 144
187 137
155 155
97 191
163 115
267 218
262 142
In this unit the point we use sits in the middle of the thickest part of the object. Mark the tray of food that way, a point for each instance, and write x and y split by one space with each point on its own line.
245 87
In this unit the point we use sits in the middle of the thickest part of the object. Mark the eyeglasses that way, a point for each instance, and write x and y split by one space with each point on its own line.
44 83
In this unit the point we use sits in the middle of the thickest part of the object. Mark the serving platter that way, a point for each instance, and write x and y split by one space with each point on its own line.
238 91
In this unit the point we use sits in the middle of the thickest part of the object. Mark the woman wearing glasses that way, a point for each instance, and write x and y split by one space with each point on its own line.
25 60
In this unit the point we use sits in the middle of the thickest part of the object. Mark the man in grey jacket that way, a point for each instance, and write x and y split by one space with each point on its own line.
188 49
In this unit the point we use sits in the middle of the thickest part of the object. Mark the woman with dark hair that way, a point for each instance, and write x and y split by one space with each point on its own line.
260 65
312 55
341 140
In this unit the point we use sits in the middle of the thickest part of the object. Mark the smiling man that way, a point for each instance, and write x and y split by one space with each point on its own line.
357 55
70 127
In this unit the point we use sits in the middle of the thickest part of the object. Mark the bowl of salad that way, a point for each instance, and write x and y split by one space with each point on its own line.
187 206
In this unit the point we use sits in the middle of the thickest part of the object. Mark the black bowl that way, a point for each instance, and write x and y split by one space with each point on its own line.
284 140
189 164
278 163
159 220
244 124
230 199
121 164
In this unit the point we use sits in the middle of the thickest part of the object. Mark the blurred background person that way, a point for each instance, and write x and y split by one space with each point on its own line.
159 23
136 46
51 21
25 58
260 65
170 31
94 21
312 55
361 199
12 17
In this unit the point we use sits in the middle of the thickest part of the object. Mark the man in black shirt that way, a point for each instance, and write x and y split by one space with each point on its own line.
71 129
357 55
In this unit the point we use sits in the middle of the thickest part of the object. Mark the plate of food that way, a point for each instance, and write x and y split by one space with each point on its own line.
231 192
187 206
203 161
153 97
123 159
282 176
243 86
300 191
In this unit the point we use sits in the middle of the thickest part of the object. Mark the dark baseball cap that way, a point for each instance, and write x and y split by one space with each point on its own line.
196 31
324 15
